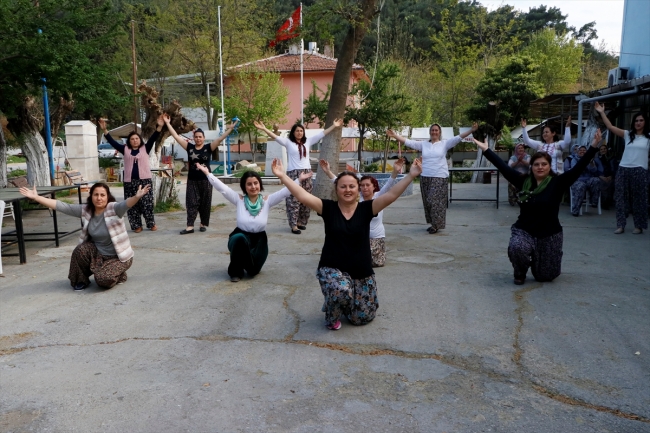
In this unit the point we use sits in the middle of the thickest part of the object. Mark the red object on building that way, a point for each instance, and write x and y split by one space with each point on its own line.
289 30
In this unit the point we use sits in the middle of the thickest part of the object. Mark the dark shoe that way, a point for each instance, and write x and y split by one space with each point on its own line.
235 279
80 286
619 230
138 230
302 227
123 278
295 232
154 228
202 229
637 231
186 231
432 231
575 214
519 281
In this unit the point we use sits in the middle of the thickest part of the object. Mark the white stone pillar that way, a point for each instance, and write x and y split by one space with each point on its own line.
81 139
274 150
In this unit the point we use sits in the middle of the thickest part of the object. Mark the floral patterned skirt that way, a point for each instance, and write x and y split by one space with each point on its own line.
378 252
355 299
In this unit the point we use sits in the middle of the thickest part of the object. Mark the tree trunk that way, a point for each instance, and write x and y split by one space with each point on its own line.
331 148
38 168
362 132
3 158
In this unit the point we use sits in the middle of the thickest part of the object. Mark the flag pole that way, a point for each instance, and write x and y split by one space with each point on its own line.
226 161
302 96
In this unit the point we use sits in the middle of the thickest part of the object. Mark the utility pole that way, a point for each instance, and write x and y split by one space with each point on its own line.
136 116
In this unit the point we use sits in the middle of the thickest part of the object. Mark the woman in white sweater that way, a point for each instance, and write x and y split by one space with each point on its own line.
298 146
248 243
434 181
631 185
550 143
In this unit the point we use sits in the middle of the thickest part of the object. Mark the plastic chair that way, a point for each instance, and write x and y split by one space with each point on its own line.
585 202
8 211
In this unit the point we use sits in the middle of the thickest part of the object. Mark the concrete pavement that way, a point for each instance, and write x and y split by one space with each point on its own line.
456 347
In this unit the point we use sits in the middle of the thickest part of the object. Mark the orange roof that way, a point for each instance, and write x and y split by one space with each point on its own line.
291 63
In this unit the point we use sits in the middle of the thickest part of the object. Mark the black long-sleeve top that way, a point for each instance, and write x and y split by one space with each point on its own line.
135 174
539 215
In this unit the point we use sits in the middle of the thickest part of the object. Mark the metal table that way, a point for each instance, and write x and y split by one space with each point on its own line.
451 174
15 197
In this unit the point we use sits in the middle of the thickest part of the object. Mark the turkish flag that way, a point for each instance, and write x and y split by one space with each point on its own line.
290 29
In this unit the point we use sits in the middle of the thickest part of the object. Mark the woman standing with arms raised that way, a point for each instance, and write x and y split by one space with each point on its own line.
298 146
104 248
248 244
198 196
345 271
550 143
137 173
631 185
536 239
434 182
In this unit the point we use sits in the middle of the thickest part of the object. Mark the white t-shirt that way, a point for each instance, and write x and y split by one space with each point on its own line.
246 221
434 155
377 223
635 153
294 161
554 149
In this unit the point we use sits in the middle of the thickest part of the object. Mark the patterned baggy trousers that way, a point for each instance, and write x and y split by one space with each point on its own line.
434 198
198 200
298 213
542 255
355 299
86 261
631 196
144 207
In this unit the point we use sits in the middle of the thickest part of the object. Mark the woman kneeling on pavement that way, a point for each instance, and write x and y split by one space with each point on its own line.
104 248
370 190
536 240
248 243
345 271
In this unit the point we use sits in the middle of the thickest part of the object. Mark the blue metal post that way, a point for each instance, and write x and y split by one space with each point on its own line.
48 130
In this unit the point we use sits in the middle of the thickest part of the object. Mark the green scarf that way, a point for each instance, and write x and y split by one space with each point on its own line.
254 209
526 193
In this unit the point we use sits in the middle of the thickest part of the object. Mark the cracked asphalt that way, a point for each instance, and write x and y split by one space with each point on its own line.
455 347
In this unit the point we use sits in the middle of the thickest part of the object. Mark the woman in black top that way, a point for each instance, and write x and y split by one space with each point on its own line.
345 269
536 240
198 195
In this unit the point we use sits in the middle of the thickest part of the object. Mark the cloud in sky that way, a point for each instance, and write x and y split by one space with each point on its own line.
608 15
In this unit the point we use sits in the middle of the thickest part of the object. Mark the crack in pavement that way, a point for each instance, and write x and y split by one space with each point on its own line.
522 305
366 350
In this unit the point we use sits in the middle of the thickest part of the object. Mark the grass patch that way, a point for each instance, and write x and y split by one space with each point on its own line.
17 173
240 173
170 205
217 206
13 159
108 162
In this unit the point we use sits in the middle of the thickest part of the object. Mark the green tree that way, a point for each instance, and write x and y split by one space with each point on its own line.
315 106
376 105
255 95
512 86
559 58
457 64
70 51
358 14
